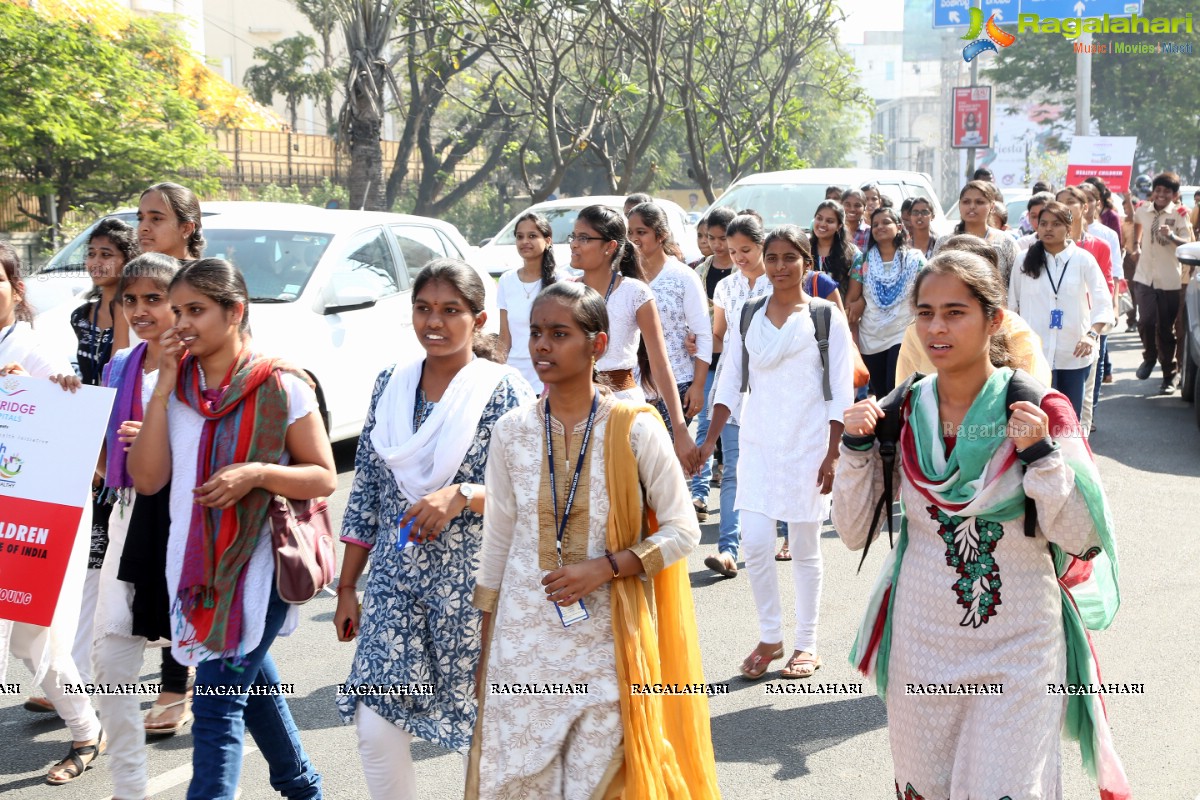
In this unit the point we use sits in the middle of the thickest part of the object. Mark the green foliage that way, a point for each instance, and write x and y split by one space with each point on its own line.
285 71
319 195
1152 97
91 119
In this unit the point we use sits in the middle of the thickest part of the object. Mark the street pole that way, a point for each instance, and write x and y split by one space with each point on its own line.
1083 87
971 150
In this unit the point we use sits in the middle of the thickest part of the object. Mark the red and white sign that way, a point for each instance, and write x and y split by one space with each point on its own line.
49 442
972 116
1107 157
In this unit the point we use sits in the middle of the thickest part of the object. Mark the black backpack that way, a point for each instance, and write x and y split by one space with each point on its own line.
1023 386
822 315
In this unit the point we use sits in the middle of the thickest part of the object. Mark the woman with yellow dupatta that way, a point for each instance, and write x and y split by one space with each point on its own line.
588 612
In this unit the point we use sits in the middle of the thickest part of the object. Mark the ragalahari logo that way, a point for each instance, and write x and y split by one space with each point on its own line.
995 36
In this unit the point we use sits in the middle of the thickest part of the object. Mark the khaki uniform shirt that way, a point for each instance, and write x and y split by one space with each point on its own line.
1157 267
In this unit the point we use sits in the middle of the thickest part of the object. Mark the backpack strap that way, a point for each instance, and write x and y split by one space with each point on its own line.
822 316
887 434
1024 386
748 311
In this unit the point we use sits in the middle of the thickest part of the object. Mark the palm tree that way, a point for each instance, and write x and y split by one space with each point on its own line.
284 70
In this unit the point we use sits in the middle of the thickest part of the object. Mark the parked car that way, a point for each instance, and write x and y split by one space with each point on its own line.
791 196
499 254
330 292
1189 255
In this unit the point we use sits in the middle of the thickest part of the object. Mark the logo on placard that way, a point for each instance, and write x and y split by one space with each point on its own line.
11 387
10 466
995 36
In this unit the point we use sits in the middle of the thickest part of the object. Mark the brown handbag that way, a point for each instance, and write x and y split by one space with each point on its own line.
305 555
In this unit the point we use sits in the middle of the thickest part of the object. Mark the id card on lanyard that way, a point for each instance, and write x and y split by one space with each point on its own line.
1056 313
575 612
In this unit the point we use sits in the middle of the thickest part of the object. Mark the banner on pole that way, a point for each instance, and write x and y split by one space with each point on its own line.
972 116
1106 157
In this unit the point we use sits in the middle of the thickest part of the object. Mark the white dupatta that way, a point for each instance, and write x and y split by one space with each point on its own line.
426 460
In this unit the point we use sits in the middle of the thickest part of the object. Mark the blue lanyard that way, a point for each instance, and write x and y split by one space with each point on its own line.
561 525
8 332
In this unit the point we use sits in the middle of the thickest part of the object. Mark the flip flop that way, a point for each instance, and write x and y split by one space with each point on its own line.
717 564
39 705
800 666
784 553
755 660
158 709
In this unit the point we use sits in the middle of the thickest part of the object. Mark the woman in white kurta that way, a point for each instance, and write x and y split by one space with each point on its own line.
517 288
789 429
565 741
972 617
46 651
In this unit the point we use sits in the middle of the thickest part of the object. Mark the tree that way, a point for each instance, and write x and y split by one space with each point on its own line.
90 119
322 15
285 71
1167 127
367 26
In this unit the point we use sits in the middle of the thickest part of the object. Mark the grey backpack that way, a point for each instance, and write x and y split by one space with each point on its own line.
822 315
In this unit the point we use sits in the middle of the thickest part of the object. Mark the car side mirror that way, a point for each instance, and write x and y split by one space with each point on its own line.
485 242
344 293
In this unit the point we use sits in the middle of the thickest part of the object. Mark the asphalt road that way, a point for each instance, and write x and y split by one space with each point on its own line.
792 745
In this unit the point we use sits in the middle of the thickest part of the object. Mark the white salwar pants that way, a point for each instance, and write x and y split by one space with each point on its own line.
758 550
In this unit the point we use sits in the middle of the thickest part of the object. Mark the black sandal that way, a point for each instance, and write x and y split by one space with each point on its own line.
77 766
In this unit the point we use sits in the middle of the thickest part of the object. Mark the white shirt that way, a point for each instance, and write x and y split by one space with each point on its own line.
683 309
1082 297
624 335
1110 238
19 344
515 297
731 294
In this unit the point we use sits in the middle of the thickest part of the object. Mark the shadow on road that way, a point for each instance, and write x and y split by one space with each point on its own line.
787 737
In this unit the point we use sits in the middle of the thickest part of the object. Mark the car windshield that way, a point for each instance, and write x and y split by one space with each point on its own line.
71 257
277 264
779 204
562 222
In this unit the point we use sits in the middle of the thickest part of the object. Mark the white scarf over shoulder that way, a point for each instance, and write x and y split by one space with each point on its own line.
427 459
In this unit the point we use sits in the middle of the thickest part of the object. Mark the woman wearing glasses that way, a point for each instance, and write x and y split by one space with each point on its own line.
600 247
922 237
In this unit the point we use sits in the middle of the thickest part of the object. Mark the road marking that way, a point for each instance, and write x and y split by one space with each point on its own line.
174 777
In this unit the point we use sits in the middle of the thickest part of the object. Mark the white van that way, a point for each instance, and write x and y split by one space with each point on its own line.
791 197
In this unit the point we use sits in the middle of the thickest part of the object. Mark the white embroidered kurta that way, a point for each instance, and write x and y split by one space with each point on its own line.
981 746
559 745
784 418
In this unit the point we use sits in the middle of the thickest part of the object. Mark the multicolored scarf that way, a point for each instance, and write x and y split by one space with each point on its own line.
981 478
123 373
245 420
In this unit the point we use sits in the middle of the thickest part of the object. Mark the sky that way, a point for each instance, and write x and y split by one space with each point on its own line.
875 15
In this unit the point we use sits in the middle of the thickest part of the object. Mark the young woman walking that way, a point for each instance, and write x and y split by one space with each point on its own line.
975 202
857 228
560 568
416 513
746 244
682 307
229 428
971 597
1059 290
517 288
787 428
879 304
133 605
921 237
830 247
600 247
46 651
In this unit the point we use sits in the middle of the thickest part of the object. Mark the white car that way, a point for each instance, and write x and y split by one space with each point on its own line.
499 254
791 197
330 292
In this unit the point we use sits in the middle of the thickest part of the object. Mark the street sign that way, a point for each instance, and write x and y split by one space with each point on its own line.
1005 11
951 13
1070 9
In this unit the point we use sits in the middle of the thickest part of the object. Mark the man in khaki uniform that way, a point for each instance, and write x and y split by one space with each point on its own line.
1158 228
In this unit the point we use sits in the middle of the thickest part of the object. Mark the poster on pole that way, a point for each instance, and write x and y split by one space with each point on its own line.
972 116
1107 157
49 442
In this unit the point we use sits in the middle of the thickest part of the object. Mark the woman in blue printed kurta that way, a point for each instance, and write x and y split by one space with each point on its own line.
415 511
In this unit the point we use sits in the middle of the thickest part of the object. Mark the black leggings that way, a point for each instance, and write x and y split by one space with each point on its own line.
882 366
175 678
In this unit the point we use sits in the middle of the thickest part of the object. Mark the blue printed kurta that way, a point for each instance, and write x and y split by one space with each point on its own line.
418 626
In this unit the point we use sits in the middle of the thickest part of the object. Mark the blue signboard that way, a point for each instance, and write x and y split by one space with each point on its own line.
951 13
1070 9
1005 11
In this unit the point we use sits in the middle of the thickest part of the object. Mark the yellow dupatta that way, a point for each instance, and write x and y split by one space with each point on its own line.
668 741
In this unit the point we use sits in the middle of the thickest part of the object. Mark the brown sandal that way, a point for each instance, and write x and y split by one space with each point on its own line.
74 764
756 665
801 665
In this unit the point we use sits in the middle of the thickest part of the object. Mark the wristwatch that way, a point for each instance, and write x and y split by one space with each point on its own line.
1093 336
467 490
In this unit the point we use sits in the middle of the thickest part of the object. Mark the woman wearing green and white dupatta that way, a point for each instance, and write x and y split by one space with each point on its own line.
971 618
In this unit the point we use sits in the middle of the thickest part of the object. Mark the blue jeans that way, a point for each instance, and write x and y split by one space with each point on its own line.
700 482
221 722
1072 383
730 529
